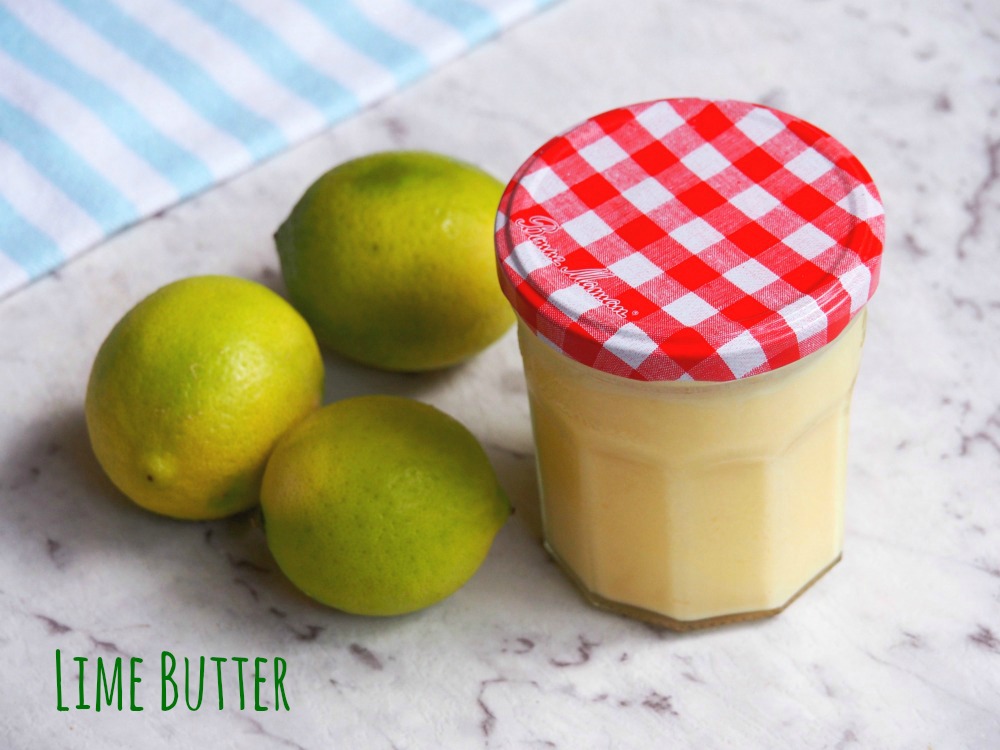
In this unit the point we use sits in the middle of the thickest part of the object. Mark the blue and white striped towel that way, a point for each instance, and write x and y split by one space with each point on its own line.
111 110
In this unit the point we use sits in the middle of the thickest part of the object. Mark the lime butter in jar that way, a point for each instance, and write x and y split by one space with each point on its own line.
690 279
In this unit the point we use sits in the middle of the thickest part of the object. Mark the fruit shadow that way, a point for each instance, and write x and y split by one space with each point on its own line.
52 484
515 470
263 601
346 378
56 495
57 500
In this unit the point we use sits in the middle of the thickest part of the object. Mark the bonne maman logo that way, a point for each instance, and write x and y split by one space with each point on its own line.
536 228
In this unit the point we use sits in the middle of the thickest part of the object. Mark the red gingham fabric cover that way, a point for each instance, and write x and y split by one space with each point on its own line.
686 239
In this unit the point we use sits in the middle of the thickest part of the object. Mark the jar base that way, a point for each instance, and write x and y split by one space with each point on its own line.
670 623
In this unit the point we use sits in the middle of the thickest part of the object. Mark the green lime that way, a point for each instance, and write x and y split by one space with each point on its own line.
390 258
191 389
380 505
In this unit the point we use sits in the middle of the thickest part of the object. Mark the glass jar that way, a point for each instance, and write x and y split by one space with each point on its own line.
690 504
691 416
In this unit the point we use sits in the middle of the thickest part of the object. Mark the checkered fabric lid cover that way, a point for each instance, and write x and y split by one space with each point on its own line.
685 239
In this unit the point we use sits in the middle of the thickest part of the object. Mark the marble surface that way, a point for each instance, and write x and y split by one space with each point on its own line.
899 647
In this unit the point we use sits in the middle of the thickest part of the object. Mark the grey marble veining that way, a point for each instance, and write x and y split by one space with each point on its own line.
899 647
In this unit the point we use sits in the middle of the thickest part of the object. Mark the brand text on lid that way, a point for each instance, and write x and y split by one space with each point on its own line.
535 230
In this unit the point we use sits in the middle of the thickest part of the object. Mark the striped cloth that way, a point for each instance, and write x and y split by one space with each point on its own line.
111 110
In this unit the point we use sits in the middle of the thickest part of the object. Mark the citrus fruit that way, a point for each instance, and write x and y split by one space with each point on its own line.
380 505
191 389
390 258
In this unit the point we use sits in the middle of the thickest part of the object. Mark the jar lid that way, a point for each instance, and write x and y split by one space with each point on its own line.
685 239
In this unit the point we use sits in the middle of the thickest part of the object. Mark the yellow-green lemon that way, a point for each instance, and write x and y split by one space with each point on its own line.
380 505
191 389
390 258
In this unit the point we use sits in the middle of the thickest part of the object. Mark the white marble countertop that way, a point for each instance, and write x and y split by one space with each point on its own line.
899 647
